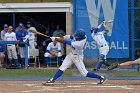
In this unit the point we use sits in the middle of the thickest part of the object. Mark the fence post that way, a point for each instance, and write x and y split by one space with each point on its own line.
132 31
14 21
26 53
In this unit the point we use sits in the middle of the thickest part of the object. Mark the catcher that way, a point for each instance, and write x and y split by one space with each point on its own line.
128 63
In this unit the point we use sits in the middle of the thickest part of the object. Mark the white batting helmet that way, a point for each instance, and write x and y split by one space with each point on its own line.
32 29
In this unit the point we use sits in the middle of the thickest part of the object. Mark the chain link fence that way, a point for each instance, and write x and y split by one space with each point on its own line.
91 62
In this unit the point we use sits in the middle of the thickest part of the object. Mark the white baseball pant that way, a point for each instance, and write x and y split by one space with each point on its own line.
77 60
11 50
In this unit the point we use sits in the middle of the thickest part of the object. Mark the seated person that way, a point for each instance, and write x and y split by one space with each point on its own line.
53 50
2 54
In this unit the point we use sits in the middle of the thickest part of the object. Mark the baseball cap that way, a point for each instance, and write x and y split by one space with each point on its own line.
28 22
21 25
5 25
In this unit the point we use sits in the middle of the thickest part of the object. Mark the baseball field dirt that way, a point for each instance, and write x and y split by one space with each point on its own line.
86 86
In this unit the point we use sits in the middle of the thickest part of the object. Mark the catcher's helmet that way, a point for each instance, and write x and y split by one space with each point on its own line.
80 34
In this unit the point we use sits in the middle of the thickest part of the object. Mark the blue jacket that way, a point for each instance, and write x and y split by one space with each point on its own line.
20 34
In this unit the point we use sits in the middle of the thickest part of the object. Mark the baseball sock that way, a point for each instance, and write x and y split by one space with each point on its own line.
93 75
28 61
16 62
10 61
57 74
98 66
23 62
59 60
106 63
46 60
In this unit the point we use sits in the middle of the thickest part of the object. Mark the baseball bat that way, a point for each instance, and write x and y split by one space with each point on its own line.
109 21
36 32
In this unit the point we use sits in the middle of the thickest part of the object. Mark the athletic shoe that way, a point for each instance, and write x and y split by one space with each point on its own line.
49 82
103 80
95 70
113 66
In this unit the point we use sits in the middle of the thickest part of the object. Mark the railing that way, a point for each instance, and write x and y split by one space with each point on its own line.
26 49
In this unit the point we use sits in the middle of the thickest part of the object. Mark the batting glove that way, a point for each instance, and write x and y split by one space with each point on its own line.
53 38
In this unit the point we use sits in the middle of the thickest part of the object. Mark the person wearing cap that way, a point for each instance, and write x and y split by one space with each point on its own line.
59 33
11 48
3 32
22 36
32 36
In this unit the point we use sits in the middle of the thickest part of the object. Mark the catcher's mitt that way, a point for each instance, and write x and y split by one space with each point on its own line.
113 66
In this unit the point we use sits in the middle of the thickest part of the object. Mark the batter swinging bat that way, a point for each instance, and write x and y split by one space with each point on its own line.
32 29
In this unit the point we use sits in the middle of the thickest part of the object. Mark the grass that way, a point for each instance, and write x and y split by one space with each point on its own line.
50 72
30 72
123 73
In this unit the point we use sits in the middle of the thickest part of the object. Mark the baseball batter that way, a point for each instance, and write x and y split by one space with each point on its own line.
98 37
11 49
22 35
53 49
75 56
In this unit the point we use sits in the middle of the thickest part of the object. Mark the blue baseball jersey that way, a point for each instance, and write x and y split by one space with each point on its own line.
20 34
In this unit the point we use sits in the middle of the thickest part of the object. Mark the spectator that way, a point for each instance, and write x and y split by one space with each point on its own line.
59 33
2 54
11 48
32 36
3 32
53 50
22 36
52 29
47 30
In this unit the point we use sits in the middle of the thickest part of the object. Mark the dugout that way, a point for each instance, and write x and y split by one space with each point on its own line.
39 14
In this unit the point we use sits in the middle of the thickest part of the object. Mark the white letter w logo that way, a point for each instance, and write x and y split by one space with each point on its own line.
108 12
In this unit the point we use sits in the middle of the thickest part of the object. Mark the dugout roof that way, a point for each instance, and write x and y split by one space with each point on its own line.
36 7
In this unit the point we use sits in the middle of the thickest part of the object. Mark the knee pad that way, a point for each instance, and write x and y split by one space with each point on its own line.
101 58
